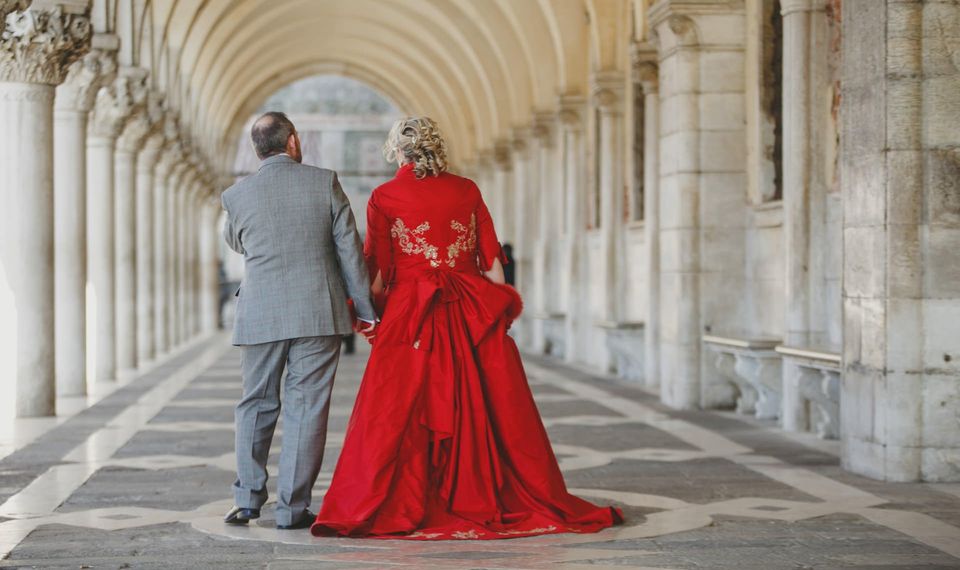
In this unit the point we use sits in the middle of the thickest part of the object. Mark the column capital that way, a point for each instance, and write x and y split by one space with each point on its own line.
86 76
8 6
38 44
644 67
116 102
519 141
607 89
501 154
542 127
570 111
788 7
146 121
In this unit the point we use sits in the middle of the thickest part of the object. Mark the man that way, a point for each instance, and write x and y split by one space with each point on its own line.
303 258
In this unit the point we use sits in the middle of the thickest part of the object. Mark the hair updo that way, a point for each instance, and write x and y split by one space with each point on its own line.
417 140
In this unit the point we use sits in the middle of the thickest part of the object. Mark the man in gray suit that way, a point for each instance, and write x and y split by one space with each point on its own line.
303 258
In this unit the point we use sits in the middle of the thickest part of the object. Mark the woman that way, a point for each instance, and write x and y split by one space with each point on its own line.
445 441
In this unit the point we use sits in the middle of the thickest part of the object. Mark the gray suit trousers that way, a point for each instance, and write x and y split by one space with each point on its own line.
311 364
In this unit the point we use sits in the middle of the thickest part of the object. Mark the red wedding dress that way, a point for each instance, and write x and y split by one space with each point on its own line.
445 441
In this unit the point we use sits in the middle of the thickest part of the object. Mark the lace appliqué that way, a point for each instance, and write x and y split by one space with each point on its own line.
412 241
466 240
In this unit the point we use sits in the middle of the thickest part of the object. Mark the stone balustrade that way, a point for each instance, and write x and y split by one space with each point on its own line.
625 343
811 391
753 367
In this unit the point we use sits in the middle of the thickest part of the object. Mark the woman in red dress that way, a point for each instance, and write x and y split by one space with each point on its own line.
445 441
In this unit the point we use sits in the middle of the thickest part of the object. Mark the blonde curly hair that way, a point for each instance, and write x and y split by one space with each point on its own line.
417 140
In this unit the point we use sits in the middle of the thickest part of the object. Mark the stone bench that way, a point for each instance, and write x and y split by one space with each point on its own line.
811 390
554 333
753 367
625 343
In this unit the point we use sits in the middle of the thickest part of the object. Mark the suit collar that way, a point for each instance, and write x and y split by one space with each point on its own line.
276 159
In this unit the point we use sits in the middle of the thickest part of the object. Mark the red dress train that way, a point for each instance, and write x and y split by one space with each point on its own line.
445 440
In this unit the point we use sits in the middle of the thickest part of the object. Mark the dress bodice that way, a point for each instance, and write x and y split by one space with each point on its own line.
420 226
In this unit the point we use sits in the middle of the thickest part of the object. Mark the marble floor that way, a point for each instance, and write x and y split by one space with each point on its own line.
140 479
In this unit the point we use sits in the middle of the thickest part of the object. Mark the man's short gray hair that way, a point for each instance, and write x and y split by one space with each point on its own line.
270 133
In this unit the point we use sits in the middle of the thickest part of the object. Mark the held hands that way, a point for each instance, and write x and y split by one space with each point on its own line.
367 329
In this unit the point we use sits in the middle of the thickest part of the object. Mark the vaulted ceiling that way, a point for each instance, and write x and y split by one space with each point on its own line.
480 67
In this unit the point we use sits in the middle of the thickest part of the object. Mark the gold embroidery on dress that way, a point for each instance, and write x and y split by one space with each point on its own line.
466 241
468 535
419 245
540 530
421 534
412 242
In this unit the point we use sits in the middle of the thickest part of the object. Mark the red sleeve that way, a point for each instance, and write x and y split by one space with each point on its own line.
376 246
488 246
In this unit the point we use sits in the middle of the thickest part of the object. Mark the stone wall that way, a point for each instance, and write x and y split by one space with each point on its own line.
900 167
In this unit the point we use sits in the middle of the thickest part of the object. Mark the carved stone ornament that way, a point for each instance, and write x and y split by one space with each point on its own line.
84 78
38 45
115 104
570 112
7 6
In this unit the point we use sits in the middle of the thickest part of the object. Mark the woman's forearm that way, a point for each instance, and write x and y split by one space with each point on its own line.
377 286
496 273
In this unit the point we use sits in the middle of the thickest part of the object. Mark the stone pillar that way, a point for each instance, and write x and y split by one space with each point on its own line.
36 47
608 93
572 185
161 245
146 289
647 74
74 100
503 182
539 224
522 182
701 192
900 167
209 265
173 223
804 83
113 105
125 226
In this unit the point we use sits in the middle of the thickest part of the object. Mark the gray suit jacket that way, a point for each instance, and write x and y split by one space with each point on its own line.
294 226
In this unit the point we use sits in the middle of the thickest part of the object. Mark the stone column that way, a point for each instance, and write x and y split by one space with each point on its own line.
572 164
125 221
503 182
646 73
900 179
804 83
539 224
36 47
209 265
608 93
173 223
74 100
161 245
521 243
146 289
114 103
701 192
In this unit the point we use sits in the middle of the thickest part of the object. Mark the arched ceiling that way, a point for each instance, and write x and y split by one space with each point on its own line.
481 68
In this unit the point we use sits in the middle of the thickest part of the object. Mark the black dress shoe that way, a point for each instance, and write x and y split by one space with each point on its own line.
304 522
239 515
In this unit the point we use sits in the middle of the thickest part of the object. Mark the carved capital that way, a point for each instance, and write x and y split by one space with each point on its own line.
84 78
542 127
570 112
519 140
608 91
39 44
644 66
116 103
501 155
146 121
8 6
